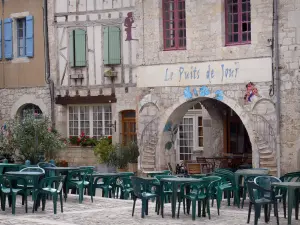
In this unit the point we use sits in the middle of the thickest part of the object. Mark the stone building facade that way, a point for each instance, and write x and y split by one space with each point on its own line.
93 55
208 67
22 66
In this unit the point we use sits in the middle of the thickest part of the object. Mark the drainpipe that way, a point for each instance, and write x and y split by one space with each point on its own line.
277 82
48 79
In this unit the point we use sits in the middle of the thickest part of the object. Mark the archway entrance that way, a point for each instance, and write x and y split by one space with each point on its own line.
211 131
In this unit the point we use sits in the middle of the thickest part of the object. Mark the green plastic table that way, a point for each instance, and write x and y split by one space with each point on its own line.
291 188
6 167
35 176
154 173
175 183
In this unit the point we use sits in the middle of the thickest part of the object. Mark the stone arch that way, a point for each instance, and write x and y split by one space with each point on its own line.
178 110
28 99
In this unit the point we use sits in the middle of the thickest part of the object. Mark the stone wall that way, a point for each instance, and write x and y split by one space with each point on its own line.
289 42
79 156
12 100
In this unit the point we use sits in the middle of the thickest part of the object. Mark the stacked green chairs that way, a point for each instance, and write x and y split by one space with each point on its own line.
126 188
259 197
227 185
46 188
141 189
202 192
9 190
78 179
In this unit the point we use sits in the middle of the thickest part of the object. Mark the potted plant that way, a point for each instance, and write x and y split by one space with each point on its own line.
120 158
105 151
133 152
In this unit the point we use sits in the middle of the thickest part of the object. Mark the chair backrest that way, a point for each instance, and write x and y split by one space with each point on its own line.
293 176
140 186
255 191
79 174
49 181
8 181
45 164
33 169
266 181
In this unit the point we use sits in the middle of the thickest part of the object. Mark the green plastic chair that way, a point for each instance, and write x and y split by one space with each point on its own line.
46 188
140 190
50 173
227 185
117 184
261 197
202 193
78 179
106 185
7 189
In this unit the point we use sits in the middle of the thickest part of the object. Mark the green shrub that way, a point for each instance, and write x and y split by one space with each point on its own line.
104 151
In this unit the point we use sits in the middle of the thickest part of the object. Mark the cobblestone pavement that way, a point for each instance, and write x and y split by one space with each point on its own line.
114 211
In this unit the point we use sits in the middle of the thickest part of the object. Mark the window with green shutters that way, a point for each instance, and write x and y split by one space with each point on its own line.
112 46
77 48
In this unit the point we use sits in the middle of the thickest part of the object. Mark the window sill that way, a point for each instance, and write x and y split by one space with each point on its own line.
174 49
198 150
21 60
237 44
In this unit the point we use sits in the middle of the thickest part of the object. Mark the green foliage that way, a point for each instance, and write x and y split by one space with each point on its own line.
7 145
133 152
104 150
32 138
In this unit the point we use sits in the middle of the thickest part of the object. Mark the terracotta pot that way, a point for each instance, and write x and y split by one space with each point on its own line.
122 169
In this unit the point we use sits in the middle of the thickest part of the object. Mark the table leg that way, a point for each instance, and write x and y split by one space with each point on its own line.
162 198
297 203
291 193
188 201
174 198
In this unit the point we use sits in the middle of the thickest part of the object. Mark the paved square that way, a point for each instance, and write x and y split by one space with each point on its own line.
106 211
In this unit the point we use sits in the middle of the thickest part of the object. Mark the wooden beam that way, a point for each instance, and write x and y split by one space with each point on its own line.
100 99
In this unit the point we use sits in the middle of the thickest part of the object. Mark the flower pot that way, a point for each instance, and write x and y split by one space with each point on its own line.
122 169
132 167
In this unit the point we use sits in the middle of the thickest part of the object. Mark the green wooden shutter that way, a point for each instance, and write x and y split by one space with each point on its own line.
80 47
114 46
105 45
71 49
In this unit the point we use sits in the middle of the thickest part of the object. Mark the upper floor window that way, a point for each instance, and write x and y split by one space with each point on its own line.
112 45
18 36
77 48
238 22
174 25
21 39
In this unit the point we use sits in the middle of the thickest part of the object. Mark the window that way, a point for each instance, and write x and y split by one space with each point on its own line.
94 121
31 108
112 46
18 36
190 133
238 22
77 48
128 127
21 41
174 25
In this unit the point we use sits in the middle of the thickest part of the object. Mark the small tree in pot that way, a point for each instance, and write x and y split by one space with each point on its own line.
133 152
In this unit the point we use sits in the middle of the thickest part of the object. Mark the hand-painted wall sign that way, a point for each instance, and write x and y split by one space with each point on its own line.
128 24
203 91
251 93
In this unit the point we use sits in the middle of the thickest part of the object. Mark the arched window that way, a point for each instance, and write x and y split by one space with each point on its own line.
31 108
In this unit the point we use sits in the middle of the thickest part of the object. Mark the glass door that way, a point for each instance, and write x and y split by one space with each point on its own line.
186 139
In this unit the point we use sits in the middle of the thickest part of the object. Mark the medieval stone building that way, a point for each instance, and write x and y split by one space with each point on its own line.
207 82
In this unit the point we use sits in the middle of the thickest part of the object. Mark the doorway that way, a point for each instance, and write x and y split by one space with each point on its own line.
128 127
